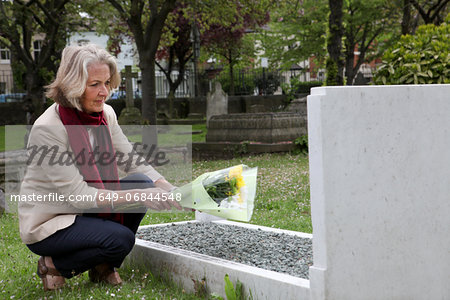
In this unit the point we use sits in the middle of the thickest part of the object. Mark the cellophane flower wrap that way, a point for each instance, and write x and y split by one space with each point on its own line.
227 193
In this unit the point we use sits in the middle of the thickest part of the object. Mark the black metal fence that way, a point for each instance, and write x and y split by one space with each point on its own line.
251 81
246 82
184 90
261 81
9 92
7 85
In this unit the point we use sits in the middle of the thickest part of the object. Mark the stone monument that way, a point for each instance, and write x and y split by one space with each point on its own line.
130 115
269 127
216 102
379 181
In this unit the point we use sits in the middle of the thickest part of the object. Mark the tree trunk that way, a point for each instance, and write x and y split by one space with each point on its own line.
406 18
335 65
349 70
35 95
149 134
349 53
171 99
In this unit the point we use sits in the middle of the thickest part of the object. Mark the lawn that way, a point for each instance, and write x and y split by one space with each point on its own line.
282 201
177 135
174 138
2 138
12 138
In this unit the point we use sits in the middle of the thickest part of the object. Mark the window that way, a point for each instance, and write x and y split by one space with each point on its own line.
4 55
37 45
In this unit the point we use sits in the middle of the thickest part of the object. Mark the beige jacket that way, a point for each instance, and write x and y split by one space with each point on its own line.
45 178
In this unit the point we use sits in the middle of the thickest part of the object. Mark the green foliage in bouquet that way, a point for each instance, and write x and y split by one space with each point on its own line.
423 58
228 193
222 190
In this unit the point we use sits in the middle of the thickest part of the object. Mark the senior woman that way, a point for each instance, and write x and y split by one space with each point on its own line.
81 126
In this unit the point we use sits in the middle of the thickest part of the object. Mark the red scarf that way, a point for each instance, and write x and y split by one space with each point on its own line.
101 175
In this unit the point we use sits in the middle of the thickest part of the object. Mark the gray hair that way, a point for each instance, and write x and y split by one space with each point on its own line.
71 78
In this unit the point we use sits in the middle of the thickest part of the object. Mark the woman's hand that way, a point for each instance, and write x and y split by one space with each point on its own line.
159 199
164 184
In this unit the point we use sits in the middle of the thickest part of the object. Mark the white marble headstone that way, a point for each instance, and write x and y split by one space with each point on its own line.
380 192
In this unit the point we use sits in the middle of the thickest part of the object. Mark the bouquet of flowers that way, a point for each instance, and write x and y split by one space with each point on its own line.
227 193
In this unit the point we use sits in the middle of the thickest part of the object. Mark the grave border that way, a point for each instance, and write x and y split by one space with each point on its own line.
184 267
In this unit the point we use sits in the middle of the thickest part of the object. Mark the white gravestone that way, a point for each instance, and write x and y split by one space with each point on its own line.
380 192
216 102
279 91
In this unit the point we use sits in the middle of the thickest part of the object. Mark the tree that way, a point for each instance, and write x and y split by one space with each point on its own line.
364 22
359 26
177 54
226 39
431 12
20 23
145 20
295 33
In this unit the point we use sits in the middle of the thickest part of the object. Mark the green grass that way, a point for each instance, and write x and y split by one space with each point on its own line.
2 138
13 138
16 141
172 138
282 193
199 137
282 201
19 279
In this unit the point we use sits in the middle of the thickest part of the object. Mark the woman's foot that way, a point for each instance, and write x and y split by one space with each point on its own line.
50 277
105 273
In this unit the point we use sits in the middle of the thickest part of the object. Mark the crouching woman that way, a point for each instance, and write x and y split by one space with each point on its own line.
84 232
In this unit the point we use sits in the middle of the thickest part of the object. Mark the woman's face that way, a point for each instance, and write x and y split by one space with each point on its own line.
97 88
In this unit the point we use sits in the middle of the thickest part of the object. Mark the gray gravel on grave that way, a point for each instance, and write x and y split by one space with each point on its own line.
273 251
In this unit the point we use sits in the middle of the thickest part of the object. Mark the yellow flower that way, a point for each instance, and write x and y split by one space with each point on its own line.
236 172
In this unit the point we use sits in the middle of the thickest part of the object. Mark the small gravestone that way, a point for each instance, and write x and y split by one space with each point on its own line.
279 91
130 115
216 102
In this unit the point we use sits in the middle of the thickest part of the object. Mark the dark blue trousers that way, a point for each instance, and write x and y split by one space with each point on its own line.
91 241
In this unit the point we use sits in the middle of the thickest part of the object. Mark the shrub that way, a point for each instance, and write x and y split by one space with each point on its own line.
268 83
298 87
422 58
244 83
305 87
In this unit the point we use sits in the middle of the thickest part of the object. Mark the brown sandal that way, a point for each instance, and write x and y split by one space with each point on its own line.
50 277
105 273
